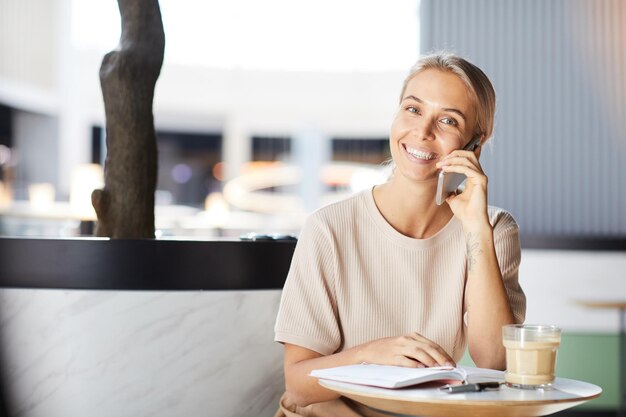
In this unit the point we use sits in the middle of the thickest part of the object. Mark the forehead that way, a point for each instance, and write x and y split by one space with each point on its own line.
442 89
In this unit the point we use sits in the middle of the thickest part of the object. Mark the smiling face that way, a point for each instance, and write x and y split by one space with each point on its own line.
436 116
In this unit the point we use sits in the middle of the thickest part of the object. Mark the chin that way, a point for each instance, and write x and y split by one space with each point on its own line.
421 179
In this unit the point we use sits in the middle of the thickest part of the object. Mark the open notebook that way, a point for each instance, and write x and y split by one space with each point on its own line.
387 376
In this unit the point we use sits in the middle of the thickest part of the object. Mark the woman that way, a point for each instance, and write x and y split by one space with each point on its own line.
389 277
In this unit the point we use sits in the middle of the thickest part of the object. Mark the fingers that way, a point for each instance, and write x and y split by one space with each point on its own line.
466 159
401 360
462 154
427 352
469 172
431 355
459 160
412 351
472 200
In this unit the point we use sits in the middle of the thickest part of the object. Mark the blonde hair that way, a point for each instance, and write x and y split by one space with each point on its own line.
474 78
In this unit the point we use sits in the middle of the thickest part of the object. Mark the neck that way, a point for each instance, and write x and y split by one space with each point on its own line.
410 207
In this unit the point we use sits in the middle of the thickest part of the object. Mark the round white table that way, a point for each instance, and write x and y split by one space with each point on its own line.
430 401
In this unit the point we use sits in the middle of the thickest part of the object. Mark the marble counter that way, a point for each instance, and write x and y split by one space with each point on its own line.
98 327
76 353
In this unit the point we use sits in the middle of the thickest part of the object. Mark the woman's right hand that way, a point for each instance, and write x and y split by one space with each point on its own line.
412 350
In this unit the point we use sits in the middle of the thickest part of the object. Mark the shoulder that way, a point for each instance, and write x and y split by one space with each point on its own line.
505 228
501 219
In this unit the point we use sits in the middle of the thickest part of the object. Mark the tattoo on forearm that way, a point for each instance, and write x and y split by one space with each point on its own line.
473 249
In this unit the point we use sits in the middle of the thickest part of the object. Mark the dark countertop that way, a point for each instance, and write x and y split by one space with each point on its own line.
178 265
143 264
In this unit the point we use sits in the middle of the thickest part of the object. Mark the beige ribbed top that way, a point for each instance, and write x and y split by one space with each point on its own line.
354 278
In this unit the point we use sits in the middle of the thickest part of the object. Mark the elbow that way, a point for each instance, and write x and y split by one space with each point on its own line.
301 389
297 399
295 390
306 392
490 364
493 359
296 396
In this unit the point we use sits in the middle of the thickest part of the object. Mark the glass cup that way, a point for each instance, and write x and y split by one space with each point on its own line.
530 355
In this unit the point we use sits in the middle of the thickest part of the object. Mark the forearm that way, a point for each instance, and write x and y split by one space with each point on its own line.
486 299
304 389
409 350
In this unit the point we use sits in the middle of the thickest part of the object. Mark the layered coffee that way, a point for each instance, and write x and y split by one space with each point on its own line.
530 355
530 363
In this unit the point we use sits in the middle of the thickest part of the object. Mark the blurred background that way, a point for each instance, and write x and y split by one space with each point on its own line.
261 116
265 111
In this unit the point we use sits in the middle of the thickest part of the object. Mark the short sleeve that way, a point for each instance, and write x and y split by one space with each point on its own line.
307 315
508 252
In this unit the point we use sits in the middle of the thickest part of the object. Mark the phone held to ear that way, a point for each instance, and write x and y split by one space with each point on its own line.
449 182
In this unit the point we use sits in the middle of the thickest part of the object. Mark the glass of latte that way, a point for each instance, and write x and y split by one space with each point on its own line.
530 355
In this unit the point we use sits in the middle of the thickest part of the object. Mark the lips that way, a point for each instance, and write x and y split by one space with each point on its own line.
420 154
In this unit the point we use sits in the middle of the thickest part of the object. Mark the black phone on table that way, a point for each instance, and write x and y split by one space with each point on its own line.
449 182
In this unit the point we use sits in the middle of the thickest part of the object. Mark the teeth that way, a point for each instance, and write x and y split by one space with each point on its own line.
421 154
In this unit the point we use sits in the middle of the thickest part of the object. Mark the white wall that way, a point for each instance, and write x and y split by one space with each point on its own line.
555 281
28 42
36 138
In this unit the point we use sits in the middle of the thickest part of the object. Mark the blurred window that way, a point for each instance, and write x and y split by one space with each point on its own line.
271 148
189 165
6 126
369 151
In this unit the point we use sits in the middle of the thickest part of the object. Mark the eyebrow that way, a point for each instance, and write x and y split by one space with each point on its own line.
459 112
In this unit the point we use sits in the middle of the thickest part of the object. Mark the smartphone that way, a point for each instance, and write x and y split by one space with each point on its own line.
449 182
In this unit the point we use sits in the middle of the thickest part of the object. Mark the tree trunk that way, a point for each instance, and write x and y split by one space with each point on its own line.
125 206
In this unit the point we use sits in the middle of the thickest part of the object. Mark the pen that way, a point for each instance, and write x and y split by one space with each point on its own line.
480 386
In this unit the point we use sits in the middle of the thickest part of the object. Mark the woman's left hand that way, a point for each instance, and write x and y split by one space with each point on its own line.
471 204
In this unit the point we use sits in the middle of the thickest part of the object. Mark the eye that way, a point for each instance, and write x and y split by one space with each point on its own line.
449 121
412 109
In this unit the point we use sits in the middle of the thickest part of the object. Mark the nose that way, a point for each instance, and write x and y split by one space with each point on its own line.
424 128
